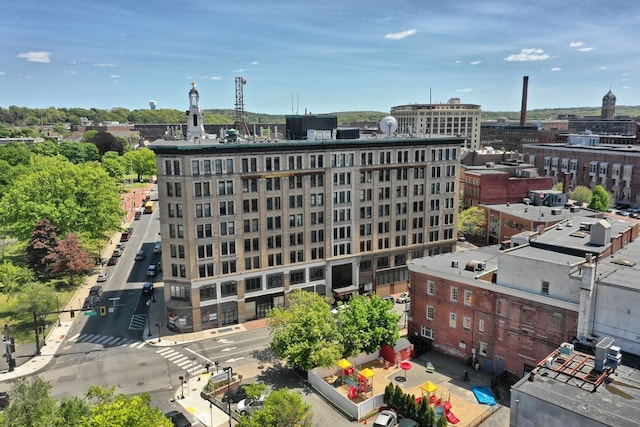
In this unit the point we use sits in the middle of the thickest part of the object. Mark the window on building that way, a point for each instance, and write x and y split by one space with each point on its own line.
252 284
430 312
426 332
275 280
468 297
296 276
207 292
228 289
466 323
454 294
545 288
431 286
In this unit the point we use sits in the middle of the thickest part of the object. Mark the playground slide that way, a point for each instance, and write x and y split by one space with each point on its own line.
451 418
353 392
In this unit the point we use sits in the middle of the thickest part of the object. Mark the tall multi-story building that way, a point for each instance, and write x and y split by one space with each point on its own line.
450 119
245 223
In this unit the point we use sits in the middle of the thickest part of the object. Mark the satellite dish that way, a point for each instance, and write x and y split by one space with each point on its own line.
388 125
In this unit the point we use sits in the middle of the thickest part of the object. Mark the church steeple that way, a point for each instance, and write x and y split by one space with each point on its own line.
608 106
195 122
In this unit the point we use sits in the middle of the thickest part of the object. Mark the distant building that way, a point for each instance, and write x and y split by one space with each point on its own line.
450 119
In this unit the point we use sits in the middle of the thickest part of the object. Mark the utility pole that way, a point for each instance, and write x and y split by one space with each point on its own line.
10 348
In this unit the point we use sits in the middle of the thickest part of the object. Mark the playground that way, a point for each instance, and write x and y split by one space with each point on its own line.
359 383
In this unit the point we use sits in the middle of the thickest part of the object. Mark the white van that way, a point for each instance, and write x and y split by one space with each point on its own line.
151 270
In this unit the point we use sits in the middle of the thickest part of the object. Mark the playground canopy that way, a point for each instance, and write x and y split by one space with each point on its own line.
343 364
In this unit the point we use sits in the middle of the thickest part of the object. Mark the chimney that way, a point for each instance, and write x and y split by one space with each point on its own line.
523 108
566 183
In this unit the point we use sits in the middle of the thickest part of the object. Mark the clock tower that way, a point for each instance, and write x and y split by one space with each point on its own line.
608 106
195 122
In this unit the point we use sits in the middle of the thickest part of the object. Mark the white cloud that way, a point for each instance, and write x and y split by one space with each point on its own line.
530 54
71 72
2 73
475 62
604 67
465 90
401 35
556 69
216 77
575 44
254 62
104 65
43 57
626 87
114 76
458 61
585 49
240 70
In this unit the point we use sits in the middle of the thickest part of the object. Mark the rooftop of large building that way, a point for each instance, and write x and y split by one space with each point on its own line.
541 213
629 150
573 382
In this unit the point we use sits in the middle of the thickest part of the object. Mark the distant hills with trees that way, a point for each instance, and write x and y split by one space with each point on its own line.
34 117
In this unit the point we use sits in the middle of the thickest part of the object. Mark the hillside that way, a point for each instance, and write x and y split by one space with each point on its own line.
25 117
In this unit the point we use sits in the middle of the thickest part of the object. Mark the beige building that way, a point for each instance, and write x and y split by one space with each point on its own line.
245 223
450 119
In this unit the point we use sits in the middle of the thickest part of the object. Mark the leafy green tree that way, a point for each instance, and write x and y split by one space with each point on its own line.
31 404
79 152
70 258
14 277
142 161
71 411
558 186
89 135
15 153
111 410
306 333
255 390
471 221
367 324
36 296
42 247
113 164
281 408
581 194
45 148
600 199
79 198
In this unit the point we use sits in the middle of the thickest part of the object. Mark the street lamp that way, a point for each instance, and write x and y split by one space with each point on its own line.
181 378
58 306
211 413
158 325
229 370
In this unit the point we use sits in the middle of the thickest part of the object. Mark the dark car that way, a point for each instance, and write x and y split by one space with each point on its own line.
96 290
4 400
147 288
112 261
90 302
137 215
178 419
234 395
125 236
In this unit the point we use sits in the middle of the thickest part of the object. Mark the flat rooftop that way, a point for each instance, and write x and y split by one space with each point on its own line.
544 214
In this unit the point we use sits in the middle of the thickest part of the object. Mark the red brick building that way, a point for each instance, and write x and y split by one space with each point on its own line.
493 186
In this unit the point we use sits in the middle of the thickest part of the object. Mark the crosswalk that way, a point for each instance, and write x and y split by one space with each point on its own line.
107 340
182 361
137 322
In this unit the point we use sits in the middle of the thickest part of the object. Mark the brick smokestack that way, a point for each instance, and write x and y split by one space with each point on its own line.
566 184
523 108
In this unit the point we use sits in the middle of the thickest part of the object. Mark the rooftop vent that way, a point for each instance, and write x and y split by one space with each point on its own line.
624 262
454 264
556 211
475 266
574 209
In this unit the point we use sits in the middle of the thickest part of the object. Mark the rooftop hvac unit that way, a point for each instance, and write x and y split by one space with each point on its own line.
556 211
574 209
454 264
566 348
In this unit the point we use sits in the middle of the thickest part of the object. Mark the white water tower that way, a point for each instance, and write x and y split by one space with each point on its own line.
153 104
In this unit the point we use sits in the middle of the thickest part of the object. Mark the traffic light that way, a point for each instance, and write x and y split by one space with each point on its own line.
103 310
72 314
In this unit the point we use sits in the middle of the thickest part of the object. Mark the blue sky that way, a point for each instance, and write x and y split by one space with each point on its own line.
321 56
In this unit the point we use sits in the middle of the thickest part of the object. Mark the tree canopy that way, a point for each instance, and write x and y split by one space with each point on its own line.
142 161
281 408
600 199
80 198
471 221
581 194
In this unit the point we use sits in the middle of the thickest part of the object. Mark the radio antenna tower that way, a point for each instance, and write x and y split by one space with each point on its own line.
240 122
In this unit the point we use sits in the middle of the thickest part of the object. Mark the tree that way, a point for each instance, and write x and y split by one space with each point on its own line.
14 277
471 221
42 247
71 258
142 161
72 410
107 142
600 199
79 152
111 410
15 153
367 324
281 408
38 297
306 333
558 186
89 135
45 148
31 404
581 194
255 390
78 198
113 164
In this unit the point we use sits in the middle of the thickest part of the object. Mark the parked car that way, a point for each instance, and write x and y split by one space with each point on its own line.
157 248
96 290
403 298
388 298
140 255
234 395
137 215
125 236
386 418
178 419
112 261
102 277
121 246
116 253
4 399
634 215
247 406
152 270
622 213
147 288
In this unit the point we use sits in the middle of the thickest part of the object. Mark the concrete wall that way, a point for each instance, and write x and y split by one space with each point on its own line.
617 315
